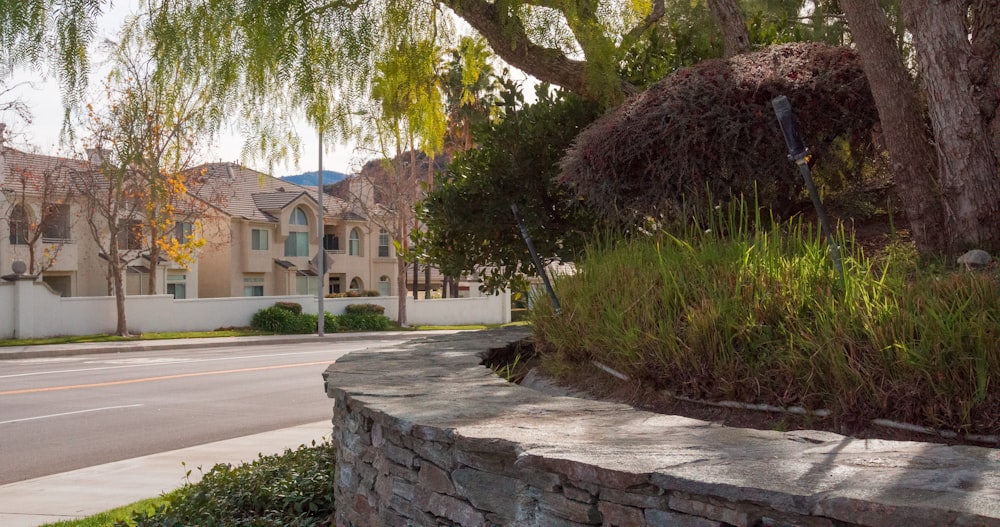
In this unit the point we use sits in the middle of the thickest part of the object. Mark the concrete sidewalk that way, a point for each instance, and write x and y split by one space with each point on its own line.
96 489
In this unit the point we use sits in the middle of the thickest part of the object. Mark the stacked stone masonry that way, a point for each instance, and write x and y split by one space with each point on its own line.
426 436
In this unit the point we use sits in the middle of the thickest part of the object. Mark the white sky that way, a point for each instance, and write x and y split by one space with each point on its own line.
44 100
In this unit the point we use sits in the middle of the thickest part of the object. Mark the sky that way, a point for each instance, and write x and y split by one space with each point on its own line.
44 100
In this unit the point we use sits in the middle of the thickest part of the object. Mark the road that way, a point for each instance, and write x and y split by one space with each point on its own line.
60 414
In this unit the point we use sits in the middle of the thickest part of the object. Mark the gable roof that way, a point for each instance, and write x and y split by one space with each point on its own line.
257 196
33 169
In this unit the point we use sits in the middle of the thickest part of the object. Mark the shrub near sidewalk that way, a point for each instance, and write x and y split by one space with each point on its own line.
284 318
364 317
761 318
294 489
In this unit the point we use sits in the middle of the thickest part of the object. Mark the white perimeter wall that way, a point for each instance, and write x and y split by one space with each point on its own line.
31 310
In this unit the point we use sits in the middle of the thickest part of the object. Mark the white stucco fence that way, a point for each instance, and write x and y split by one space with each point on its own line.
30 310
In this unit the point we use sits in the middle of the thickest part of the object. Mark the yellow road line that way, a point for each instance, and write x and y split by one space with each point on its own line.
161 378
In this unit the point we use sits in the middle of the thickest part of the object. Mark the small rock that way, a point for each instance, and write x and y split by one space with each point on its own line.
975 258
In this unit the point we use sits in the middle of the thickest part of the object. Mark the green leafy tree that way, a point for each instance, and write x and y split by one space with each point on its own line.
470 226
408 116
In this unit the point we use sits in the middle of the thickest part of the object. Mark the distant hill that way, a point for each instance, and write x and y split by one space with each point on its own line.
310 179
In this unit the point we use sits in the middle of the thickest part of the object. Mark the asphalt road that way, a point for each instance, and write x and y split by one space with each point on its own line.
60 414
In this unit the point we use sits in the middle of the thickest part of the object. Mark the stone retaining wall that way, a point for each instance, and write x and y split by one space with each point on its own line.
427 436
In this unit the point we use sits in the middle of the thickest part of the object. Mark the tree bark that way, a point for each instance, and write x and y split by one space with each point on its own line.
907 139
985 66
154 257
729 18
115 269
967 161
416 280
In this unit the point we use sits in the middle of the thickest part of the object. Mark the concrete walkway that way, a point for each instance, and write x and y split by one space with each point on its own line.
96 489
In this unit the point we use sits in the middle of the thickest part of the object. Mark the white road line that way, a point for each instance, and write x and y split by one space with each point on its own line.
179 361
68 413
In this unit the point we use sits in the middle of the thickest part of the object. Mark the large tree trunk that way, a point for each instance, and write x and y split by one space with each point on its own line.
735 38
967 162
985 66
914 163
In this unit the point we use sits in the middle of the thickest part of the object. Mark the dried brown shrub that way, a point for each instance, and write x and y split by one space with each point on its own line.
709 132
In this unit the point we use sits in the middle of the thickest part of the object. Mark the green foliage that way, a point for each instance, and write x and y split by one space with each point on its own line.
294 307
285 321
470 227
364 309
294 489
364 322
353 294
331 324
757 315
274 319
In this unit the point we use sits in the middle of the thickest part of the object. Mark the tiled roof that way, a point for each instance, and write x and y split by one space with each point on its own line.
250 194
31 168
268 201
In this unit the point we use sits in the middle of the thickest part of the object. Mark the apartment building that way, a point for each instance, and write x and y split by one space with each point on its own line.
271 243
261 235
43 223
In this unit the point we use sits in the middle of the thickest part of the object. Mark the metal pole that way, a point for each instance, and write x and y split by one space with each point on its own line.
798 153
321 322
536 259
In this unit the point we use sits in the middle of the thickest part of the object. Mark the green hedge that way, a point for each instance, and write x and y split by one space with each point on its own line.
364 309
364 322
281 319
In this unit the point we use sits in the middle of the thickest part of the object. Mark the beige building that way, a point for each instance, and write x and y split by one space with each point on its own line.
261 235
271 245
44 225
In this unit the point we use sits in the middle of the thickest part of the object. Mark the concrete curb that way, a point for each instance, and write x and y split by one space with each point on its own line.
68 350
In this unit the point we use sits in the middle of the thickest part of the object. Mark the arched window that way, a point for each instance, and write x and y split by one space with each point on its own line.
19 225
356 284
297 243
383 244
384 287
354 243
299 217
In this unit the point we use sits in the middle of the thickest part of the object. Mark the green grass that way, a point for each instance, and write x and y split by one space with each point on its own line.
758 315
120 514
144 336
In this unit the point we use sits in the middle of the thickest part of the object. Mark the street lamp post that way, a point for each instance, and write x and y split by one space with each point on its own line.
321 319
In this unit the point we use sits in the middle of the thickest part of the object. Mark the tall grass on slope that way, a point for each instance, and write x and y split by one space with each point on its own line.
728 312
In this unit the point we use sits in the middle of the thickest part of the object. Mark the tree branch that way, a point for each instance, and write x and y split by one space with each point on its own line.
653 18
509 39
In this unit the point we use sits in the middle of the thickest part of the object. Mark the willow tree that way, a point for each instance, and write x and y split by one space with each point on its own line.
407 115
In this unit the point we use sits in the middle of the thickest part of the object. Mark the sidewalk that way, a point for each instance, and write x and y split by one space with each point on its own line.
96 489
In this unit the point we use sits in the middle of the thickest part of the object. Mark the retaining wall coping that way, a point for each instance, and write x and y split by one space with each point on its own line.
436 390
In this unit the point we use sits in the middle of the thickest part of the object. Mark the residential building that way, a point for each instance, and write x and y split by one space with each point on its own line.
261 235
45 225
271 244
